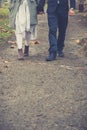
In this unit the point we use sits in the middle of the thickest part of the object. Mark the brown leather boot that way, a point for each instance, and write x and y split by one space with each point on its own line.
20 54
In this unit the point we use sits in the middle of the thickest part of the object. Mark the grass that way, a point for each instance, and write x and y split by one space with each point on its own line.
5 31
4 11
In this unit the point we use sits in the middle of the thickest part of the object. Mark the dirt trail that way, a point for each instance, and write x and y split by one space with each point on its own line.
40 95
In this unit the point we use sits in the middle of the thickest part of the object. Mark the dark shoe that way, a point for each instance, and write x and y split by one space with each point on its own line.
26 51
60 54
20 54
52 56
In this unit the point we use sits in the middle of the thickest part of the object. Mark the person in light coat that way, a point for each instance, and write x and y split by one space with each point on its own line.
22 18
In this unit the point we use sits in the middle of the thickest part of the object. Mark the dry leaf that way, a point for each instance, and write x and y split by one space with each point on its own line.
77 41
34 42
12 42
12 46
37 42
6 62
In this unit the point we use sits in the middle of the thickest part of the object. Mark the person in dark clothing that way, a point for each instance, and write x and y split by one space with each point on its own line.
57 21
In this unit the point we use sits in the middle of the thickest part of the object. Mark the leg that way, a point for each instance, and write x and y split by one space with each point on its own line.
19 31
19 40
27 40
19 44
33 39
52 22
33 32
62 25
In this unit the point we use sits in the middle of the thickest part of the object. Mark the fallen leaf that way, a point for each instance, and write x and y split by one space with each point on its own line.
37 42
12 46
77 41
34 42
6 62
12 42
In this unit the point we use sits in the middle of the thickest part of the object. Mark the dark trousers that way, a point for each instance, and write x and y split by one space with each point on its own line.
57 23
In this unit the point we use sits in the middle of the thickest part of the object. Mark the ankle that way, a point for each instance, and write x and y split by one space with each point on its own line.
20 54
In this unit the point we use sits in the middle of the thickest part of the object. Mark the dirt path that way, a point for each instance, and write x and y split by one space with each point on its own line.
40 95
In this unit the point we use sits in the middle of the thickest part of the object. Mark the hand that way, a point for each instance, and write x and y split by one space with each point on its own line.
71 12
41 13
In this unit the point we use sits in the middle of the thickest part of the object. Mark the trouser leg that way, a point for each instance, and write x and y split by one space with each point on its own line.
52 23
27 40
19 40
34 32
62 25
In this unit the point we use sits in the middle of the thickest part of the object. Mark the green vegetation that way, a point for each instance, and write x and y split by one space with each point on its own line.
5 31
4 11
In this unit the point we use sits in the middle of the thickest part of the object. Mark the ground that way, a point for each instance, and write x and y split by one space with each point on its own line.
40 95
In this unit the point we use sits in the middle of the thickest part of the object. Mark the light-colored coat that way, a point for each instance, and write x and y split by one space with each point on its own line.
14 6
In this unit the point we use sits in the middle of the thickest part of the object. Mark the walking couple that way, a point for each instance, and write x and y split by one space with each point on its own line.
23 18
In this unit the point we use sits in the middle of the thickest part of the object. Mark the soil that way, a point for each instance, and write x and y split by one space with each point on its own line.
40 95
